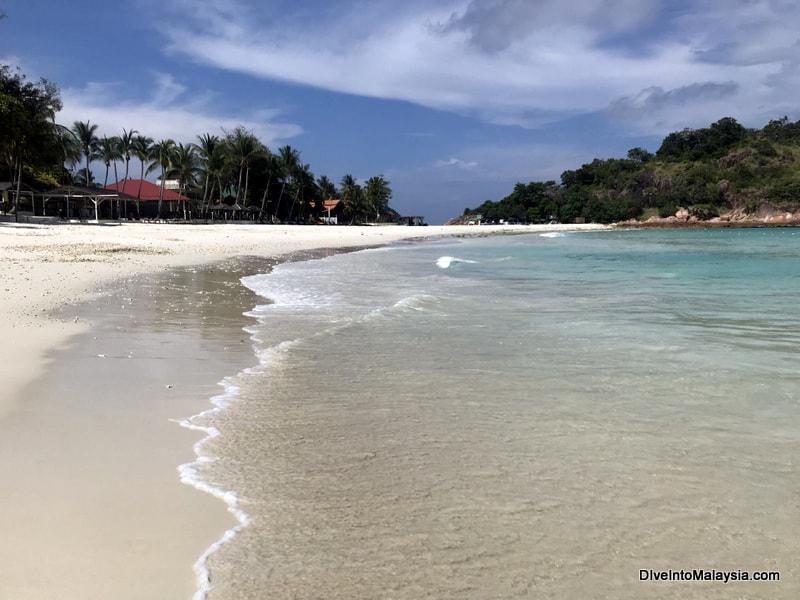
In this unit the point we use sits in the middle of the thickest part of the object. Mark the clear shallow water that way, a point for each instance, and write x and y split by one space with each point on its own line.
532 417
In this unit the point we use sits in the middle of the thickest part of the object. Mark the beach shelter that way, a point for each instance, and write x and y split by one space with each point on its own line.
69 193
235 210
147 194
254 211
8 190
217 209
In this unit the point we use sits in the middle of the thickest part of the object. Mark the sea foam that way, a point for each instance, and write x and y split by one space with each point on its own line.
444 262
190 472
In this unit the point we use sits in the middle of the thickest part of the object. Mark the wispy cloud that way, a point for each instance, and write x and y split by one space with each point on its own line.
457 163
494 25
170 112
505 61
657 109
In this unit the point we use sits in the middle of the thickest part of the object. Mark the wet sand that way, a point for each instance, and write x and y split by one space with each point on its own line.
92 506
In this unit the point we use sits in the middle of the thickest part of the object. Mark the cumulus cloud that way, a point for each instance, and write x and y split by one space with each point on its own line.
168 113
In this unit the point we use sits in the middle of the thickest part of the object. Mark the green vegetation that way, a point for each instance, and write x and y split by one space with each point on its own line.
235 168
706 171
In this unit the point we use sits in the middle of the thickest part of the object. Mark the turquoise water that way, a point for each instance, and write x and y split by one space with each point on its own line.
528 416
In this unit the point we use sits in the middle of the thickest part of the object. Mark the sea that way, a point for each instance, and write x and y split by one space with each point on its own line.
553 415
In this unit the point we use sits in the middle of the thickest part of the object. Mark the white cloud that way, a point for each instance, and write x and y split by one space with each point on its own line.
166 114
495 25
506 163
457 163
507 61
11 60
656 109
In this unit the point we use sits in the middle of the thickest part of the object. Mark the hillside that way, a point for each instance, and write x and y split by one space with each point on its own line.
723 170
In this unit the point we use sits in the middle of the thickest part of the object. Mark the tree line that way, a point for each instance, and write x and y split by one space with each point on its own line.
707 171
234 166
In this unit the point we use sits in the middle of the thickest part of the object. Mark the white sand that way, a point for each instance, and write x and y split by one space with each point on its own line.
47 266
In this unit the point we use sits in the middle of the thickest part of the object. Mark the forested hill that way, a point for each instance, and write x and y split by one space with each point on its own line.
719 169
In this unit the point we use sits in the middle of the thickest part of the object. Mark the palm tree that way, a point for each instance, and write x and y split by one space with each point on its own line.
352 197
303 182
289 159
161 156
184 167
377 194
126 148
326 187
207 147
141 150
217 165
87 140
273 167
70 150
108 152
244 147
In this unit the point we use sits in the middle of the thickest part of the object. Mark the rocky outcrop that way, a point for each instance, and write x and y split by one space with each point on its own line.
764 217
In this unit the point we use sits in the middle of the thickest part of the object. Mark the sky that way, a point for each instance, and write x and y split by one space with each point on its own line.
452 101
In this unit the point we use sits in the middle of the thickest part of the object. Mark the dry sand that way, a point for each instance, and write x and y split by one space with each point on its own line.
71 526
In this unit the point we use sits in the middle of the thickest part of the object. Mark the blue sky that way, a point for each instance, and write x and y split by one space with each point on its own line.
452 101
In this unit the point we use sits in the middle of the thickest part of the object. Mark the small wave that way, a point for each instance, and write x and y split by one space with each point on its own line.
418 302
190 472
189 475
552 234
444 262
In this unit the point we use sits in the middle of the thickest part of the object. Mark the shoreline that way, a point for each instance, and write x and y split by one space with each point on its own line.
53 273
98 509
50 267
189 472
666 223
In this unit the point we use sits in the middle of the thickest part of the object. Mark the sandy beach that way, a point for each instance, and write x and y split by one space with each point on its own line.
110 338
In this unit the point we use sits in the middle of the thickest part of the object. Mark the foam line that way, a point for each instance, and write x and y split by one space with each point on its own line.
190 472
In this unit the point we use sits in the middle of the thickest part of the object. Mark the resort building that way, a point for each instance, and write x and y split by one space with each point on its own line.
142 198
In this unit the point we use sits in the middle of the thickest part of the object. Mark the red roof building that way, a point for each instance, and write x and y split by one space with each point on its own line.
330 205
146 191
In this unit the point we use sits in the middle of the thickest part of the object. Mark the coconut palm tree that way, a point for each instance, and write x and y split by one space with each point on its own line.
289 160
218 165
70 150
326 187
85 133
184 167
244 147
141 150
126 148
377 194
206 148
303 183
161 156
352 197
273 168
108 152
